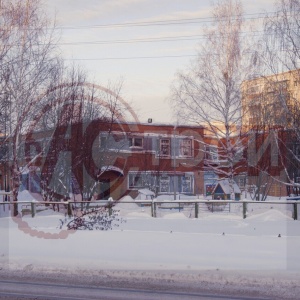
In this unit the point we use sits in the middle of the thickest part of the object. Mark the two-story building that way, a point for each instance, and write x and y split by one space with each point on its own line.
101 160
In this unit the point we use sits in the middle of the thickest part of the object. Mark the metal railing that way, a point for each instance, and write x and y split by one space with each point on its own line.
109 204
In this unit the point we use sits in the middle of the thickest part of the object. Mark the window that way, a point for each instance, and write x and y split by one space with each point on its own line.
253 89
186 147
282 85
136 142
297 150
164 184
165 147
242 182
211 153
135 180
103 141
186 184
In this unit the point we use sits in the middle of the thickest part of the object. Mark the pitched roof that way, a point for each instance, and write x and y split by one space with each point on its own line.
224 183
146 192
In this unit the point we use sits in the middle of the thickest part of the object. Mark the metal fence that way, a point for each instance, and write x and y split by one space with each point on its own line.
155 208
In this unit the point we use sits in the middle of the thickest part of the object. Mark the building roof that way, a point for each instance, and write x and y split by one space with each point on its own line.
146 192
111 168
224 183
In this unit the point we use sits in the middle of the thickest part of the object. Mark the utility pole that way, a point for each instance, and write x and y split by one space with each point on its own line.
174 157
6 149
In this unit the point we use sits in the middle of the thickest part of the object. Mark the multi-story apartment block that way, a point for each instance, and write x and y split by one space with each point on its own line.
271 100
271 111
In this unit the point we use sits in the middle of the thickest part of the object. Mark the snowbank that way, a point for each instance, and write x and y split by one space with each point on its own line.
189 249
270 215
175 216
27 196
125 209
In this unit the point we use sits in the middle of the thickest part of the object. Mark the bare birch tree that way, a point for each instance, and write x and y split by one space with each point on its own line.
282 36
41 96
25 67
208 93
76 134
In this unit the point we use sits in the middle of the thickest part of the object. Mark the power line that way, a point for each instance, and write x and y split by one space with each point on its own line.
141 40
158 23
144 40
133 41
144 57
133 57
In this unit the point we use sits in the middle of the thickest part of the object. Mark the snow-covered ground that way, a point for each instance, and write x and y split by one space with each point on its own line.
265 245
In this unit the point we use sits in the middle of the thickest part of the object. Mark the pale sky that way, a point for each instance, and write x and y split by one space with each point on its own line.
147 80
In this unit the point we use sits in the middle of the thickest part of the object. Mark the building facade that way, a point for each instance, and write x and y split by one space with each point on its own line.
101 160
270 108
271 101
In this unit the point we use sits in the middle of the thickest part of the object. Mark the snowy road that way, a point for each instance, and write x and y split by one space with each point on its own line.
38 290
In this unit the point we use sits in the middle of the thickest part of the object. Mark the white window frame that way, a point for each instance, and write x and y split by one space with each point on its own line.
213 155
132 142
163 144
187 147
164 180
242 182
131 179
188 179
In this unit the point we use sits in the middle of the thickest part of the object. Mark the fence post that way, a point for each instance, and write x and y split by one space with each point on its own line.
295 211
244 210
152 209
196 209
110 205
33 209
70 213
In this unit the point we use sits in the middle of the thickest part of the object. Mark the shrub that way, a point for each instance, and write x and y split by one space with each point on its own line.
95 218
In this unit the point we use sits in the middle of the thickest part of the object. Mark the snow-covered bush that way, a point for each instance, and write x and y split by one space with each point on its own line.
95 218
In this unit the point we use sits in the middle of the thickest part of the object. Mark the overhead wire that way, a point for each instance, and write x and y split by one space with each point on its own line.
144 57
144 40
158 23
134 57
147 40
178 21
140 40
